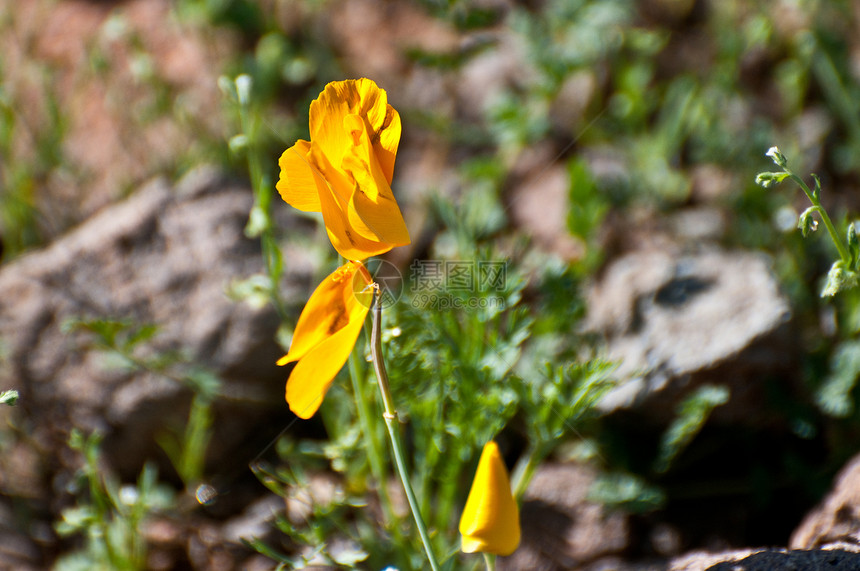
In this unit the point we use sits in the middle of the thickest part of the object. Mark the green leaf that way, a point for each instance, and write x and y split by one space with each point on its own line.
834 396
9 397
769 179
853 246
625 490
692 414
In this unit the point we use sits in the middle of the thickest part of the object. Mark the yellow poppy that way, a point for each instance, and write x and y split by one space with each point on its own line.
345 170
325 334
491 518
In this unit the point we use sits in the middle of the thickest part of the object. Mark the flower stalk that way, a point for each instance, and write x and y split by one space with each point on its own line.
390 416
815 199
374 448
845 272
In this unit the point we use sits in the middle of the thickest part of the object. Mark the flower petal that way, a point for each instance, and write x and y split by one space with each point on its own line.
373 210
296 182
325 334
339 99
345 171
325 313
345 238
491 520
386 141
315 372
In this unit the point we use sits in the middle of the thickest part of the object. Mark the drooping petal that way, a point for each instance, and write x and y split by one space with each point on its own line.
296 183
315 372
324 314
324 336
491 519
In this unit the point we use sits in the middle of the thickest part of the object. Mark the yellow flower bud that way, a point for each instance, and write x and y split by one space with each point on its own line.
491 518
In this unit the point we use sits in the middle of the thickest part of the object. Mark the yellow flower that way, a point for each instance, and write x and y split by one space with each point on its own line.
345 170
325 334
491 519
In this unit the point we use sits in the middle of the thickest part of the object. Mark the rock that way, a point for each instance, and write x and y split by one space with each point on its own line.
561 529
769 560
164 256
836 521
673 321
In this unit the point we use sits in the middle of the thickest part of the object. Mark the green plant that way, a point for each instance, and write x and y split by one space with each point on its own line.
110 516
124 345
9 397
843 274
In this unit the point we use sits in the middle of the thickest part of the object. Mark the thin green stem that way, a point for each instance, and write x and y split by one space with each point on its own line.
374 448
390 416
816 204
490 561
261 186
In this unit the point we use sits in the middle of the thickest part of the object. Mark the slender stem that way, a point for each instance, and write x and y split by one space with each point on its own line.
490 561
261 186
390 416
816 203
374 448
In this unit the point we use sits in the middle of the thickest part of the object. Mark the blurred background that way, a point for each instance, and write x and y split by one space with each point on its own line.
606 150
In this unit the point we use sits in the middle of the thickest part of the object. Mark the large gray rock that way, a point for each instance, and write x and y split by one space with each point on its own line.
165 256
673 321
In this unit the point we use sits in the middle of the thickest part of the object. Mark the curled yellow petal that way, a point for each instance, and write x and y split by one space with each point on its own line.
325 334
491 518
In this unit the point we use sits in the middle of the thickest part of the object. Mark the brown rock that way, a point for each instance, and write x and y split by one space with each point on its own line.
561 529
539 206
164 256
836 521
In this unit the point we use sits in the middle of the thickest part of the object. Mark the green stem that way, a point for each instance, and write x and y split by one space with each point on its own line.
490 561
374 448
261 187
390 416
816 203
